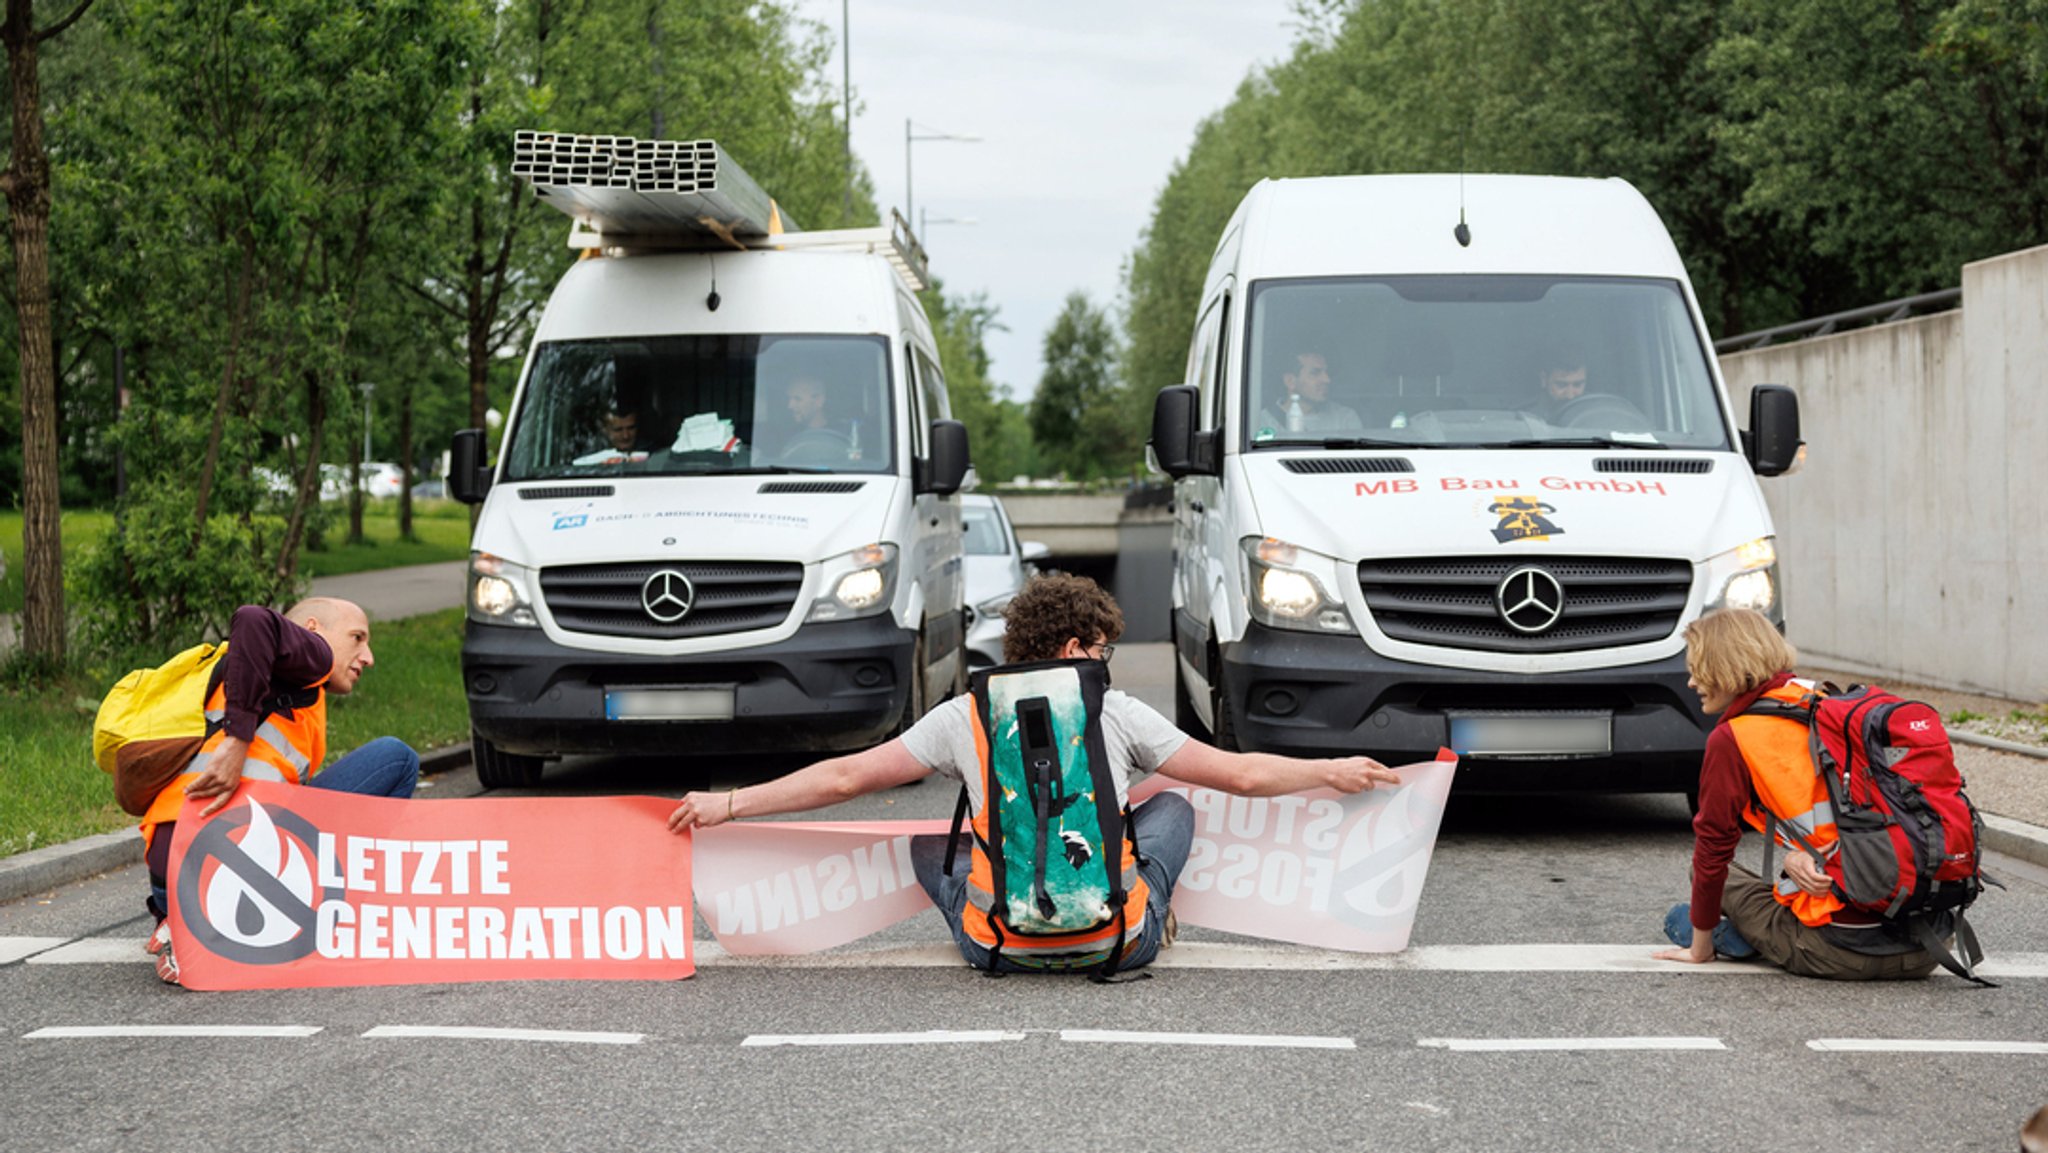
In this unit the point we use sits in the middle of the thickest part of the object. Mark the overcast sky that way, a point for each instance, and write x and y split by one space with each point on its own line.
1082 110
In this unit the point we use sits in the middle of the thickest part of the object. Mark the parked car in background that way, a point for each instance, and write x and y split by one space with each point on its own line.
997 566
433 488
381 478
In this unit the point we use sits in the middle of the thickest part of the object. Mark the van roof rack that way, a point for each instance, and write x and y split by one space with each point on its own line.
625 194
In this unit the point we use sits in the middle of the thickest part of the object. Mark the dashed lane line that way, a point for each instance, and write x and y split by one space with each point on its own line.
1566 1044
85 1032
1880 1045
479 1033
1233 1040
928 1037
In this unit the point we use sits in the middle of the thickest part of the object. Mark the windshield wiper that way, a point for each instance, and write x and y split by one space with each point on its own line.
1332 442
1566 442
758 470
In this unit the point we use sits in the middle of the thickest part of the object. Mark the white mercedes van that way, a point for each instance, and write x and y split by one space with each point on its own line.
722 517
1454 465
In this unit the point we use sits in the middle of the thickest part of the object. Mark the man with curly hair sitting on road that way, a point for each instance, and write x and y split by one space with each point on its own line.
1055 617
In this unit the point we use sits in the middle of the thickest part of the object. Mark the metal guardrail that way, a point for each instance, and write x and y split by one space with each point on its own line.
1884 313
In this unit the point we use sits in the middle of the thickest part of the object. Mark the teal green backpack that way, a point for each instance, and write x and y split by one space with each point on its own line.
1054 876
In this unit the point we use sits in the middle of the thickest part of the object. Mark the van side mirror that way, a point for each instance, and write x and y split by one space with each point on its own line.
1180 450
943 472
468 477
1772 441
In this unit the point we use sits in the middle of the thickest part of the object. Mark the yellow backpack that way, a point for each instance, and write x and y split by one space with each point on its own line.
153 722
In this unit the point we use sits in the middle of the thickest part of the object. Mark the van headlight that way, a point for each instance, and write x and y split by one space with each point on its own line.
1290 587
1746 577
498 592
860 583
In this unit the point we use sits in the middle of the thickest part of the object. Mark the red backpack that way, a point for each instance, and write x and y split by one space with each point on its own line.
1911 842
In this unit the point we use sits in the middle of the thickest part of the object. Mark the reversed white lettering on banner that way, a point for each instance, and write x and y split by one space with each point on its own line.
486 933
1297 869
832 884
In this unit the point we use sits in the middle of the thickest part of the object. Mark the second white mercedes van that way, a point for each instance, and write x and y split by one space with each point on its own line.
1455 465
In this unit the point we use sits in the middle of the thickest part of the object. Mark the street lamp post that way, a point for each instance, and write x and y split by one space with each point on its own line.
910 137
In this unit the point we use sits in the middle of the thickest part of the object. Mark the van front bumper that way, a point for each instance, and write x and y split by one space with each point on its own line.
832 687
1324 696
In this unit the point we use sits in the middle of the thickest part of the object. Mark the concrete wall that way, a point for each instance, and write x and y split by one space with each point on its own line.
1914 542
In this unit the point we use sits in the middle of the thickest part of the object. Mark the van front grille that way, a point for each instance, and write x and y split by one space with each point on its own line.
729 597
1449 602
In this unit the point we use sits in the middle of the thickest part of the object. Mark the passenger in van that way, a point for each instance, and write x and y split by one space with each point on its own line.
1055 617
1305 404
1734 657
1561 379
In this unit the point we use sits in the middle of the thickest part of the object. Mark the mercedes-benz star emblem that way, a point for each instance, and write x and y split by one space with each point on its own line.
1530 600
667 596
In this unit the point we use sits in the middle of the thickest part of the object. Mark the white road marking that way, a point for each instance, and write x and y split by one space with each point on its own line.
15 948
95 951
87 1031
1234 955
483 1033
1880 1045
1564 1044
1235 1040
928 1037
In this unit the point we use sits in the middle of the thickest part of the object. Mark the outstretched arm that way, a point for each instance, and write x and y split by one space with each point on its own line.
813 787
1270 775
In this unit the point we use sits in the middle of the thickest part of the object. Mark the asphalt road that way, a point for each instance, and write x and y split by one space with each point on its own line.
1527 1019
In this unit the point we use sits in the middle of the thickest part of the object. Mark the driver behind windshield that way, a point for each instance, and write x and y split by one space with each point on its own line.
1562 379
815 436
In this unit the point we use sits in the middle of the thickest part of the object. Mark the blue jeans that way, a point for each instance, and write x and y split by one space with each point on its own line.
386 767
1162 829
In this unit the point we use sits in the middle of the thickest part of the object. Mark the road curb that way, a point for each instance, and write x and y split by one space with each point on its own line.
54 866
2016 839
47 868
1998 743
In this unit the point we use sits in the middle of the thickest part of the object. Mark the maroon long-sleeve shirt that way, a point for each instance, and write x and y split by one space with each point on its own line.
1724 793
268 655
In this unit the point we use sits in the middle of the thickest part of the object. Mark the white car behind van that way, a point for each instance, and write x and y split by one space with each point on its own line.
1455 466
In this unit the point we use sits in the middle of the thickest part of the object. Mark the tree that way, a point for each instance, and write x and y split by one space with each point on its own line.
1079 414
26 185
998 428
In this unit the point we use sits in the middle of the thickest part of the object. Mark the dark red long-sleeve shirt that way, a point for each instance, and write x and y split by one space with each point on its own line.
1724 793
268 655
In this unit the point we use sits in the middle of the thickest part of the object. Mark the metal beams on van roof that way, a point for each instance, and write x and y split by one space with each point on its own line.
623 186
629 195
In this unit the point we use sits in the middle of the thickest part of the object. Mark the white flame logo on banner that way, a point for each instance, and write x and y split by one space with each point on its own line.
233 906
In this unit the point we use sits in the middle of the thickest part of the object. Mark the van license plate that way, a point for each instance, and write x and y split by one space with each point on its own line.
1532 734
692 704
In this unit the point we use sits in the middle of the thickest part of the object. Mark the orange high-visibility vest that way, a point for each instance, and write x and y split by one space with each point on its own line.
1783 777
290 746
1063 951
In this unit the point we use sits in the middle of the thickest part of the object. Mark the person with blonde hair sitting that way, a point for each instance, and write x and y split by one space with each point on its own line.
1758 770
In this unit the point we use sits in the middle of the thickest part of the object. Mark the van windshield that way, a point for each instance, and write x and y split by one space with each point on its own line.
1467 361
687 405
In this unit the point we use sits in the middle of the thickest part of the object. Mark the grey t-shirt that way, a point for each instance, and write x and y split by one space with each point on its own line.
1137 739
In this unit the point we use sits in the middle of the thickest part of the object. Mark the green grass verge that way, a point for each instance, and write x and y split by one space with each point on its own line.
53 792
440 526
77 527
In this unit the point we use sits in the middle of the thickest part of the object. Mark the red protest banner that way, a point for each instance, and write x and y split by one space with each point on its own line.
294 887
